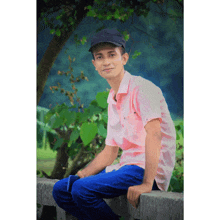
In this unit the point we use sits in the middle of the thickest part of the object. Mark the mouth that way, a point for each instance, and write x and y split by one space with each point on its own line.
107 70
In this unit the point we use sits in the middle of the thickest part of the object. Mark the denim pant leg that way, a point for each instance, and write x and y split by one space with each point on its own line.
64 198
88 193
83 198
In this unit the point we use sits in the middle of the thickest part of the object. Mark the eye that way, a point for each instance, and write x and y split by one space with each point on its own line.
112 55
99 57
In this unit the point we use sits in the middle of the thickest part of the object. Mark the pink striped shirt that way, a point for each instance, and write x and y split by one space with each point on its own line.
138 102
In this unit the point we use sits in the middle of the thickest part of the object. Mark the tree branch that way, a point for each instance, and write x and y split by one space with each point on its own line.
75 160
45 175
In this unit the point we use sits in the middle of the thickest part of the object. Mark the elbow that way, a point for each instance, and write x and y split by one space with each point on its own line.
111 160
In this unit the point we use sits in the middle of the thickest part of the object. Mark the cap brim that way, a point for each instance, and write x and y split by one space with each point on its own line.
117 44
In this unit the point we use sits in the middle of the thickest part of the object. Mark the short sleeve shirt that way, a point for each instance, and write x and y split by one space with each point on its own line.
138 102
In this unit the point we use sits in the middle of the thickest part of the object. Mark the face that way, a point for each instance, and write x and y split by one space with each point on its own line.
109 62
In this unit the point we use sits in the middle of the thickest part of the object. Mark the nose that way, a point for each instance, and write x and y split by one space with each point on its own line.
106 62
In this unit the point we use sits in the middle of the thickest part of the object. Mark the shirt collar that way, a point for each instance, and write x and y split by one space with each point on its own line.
123 88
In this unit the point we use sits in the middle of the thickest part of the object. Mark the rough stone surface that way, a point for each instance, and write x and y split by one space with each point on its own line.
45 197
156 205
161 206
122 207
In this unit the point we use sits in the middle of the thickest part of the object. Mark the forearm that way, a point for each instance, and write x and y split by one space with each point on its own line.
100 162
152 154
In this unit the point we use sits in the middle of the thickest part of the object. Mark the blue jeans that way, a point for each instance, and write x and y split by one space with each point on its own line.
83 198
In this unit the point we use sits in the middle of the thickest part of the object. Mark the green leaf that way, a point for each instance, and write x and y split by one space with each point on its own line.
74 149
177 136
126 35
58 32
180 169
105 116
178 127
116 15
93 110
94 118
100 16
83 40
45 127
68 117
58 143
89 7
58 17
82 117
179 154
88 132
72 107
101 98
102 131
51 137
48 116
91 13
175 184
108 17
136 54
94 103
52 31
58 123
74 135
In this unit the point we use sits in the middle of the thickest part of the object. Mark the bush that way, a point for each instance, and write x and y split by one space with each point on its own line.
177 179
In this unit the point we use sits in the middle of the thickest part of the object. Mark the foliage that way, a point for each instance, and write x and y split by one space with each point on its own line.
82 129
42 128
177 179
62 16
83 123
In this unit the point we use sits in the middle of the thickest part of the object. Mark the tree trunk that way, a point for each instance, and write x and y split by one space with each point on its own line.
74 163
75 169
56 46
61 163
48 60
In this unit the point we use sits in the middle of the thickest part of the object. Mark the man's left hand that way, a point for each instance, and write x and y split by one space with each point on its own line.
134 193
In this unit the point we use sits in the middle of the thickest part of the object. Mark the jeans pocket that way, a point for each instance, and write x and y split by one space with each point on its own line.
71 180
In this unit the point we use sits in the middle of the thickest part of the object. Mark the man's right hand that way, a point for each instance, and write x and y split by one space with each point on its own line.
105 158
80 174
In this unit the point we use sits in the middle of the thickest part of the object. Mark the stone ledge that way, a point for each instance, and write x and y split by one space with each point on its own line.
156 205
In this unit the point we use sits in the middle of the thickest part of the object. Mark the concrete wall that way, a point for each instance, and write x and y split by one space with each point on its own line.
156 205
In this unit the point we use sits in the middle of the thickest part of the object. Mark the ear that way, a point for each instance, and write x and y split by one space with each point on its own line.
125 58
93 62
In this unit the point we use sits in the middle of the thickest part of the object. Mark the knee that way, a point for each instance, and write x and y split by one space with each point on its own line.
78 190
57 189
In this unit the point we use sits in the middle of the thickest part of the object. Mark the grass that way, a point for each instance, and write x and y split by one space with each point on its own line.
44 154
46 159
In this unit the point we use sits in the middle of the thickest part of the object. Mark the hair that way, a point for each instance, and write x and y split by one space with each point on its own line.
104 44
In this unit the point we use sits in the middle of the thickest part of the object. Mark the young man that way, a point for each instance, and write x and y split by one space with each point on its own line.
139 123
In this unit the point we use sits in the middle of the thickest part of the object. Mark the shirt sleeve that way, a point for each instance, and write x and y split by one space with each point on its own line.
147 101
110 131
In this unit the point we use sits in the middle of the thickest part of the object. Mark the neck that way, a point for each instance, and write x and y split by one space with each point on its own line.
115 82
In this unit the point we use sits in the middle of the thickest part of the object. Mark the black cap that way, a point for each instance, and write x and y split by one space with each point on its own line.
108 36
